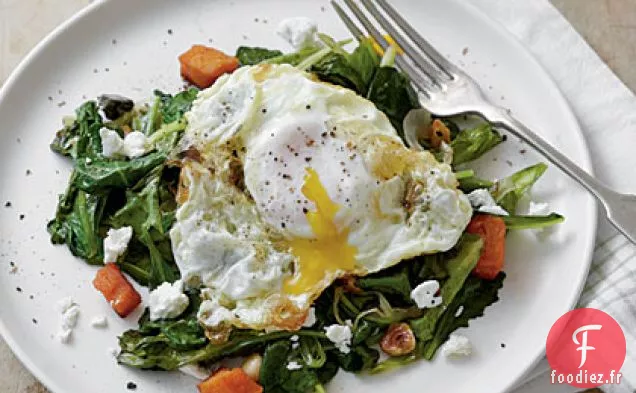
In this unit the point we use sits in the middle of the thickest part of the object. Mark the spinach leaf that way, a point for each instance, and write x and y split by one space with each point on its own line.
430 267
471 144
149 210
181 333
80 138
172 108
76 224
474 297
509 190
255 55
360 358
459 268
532 222
99 175
392 93
395 281
335 68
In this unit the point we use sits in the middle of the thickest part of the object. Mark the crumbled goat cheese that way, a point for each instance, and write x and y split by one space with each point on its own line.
482 201
132 145
311 318
135 144
341 336
294 338
459 311
457 346
112 143
167 301
116 243
69 311
64 335
299 32
99 321
294 366
425 294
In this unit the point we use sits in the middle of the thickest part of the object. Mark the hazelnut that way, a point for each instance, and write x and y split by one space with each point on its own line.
252 366
398 340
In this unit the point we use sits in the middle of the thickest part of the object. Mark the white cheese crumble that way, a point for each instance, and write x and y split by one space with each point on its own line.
457 346
425 294
483 202
64 335
99 321
341 336
459 312
299 32
132 145
294 338
116 243
69 311
311 318
295 345
135 144
294 366
112 143
167 301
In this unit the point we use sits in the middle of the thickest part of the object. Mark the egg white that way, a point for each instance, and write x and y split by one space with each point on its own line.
259 132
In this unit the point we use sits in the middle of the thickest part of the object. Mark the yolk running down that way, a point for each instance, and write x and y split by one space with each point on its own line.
329 251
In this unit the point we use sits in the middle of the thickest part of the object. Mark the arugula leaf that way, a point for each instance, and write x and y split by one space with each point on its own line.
532 222
76 224
172 108
98 175
80 138
255 55
509 190
471 144
459 268
392 93
360 358
475 295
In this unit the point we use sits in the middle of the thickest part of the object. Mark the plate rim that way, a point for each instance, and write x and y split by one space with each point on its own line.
584 161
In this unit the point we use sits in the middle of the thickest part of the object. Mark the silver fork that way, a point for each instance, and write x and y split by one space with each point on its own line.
445 90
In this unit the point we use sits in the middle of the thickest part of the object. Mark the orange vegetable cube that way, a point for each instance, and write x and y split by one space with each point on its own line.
117 290
229 381
202 66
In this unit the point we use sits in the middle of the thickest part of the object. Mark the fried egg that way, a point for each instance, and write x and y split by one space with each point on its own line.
296 183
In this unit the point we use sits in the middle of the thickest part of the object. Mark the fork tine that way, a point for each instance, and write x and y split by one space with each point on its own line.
426 47
430 69
423 84
353 28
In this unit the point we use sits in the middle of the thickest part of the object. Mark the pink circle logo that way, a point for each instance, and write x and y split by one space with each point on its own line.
586 348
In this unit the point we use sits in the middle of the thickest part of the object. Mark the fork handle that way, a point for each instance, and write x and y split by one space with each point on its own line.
620 208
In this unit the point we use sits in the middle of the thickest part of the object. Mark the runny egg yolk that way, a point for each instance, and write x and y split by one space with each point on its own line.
329 251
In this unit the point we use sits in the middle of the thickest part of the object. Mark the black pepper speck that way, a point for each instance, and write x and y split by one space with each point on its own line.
21 216
8 204
131 386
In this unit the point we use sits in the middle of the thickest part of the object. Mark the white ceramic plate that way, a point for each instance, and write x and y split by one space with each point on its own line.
131 48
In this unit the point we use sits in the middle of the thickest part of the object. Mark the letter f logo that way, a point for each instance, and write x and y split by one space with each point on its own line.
583 344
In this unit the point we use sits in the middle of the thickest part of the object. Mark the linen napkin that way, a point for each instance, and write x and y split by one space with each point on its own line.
598 99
